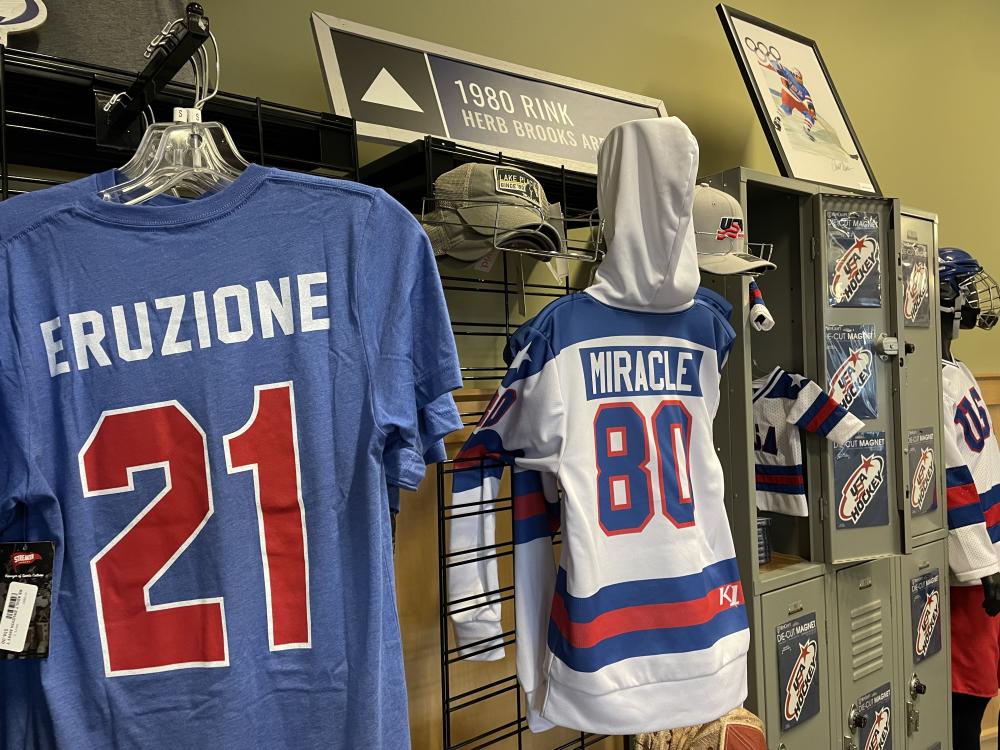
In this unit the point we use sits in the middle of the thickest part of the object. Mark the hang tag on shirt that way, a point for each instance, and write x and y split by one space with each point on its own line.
18 608
26 598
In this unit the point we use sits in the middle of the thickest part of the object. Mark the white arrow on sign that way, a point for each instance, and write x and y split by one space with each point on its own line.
386 90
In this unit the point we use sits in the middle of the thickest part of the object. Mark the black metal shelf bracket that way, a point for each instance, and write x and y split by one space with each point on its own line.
168 53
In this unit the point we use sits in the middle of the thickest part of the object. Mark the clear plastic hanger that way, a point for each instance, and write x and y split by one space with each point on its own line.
187 156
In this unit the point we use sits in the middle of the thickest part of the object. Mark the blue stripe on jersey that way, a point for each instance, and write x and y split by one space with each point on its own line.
784 387
814 408
786 480
958 477
650 591
835 418
526 482
965 515
531 528
582 318
779 471
482 457
647 642
771 380
990 502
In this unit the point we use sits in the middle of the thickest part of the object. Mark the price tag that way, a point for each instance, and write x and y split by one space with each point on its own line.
16 616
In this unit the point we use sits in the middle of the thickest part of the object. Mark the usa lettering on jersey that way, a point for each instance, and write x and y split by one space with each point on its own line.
972 477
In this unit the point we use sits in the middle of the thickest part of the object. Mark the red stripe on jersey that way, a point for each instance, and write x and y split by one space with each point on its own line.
525 506
641 617
962 495
779 478
816 422
992 515
472 458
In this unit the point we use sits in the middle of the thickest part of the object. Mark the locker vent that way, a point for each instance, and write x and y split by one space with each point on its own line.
866 639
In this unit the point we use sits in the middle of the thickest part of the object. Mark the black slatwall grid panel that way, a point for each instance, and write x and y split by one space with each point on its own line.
408 174
51 118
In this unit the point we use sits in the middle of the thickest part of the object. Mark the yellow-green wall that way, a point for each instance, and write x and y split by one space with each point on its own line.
920 80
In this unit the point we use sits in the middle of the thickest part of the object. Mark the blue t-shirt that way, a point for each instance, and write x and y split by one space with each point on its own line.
206 401
24 718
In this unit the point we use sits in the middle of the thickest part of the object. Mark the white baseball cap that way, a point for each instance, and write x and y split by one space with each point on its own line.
720 235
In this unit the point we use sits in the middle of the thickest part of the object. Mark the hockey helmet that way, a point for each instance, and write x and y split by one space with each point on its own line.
959 269
798 74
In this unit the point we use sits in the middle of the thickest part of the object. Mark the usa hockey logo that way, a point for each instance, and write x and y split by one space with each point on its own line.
916 291
860 488
730 228
22 559
850 378
853 267
800 680
879 733
923 477
927 623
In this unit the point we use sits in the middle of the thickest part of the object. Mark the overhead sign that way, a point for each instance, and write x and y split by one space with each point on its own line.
399 89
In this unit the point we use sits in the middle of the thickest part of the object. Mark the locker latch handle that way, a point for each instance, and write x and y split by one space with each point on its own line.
856 719
887 346
917 687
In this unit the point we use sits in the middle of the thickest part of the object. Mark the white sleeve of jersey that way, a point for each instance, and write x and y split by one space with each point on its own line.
523 425
970 551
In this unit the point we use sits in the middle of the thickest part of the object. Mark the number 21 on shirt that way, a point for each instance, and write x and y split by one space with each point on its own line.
139 637
626 488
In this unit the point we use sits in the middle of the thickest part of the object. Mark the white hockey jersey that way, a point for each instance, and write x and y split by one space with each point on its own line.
783 403
642 626
972 476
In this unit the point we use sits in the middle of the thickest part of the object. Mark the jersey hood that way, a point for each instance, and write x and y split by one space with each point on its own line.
646 171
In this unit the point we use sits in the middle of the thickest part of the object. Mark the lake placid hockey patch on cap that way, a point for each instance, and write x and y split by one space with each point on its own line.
515 182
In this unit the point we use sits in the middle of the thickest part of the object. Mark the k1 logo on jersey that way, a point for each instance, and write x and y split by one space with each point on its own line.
925 614
730 228
923 492
854 260
860 480
798 669
973 417
851 364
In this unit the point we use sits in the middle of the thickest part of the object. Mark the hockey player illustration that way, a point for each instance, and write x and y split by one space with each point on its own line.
793 100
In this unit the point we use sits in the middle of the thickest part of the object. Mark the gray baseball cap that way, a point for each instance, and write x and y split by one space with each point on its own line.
477 203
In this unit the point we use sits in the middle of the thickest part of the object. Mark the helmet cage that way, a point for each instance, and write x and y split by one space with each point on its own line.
983 293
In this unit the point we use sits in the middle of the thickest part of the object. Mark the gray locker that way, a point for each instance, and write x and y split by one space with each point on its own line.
797 666
922 374
925 674
857 279
866 644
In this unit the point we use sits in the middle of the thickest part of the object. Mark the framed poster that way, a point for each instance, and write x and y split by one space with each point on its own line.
799 108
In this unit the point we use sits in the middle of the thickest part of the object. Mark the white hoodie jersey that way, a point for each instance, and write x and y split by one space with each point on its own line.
972 463
642 625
